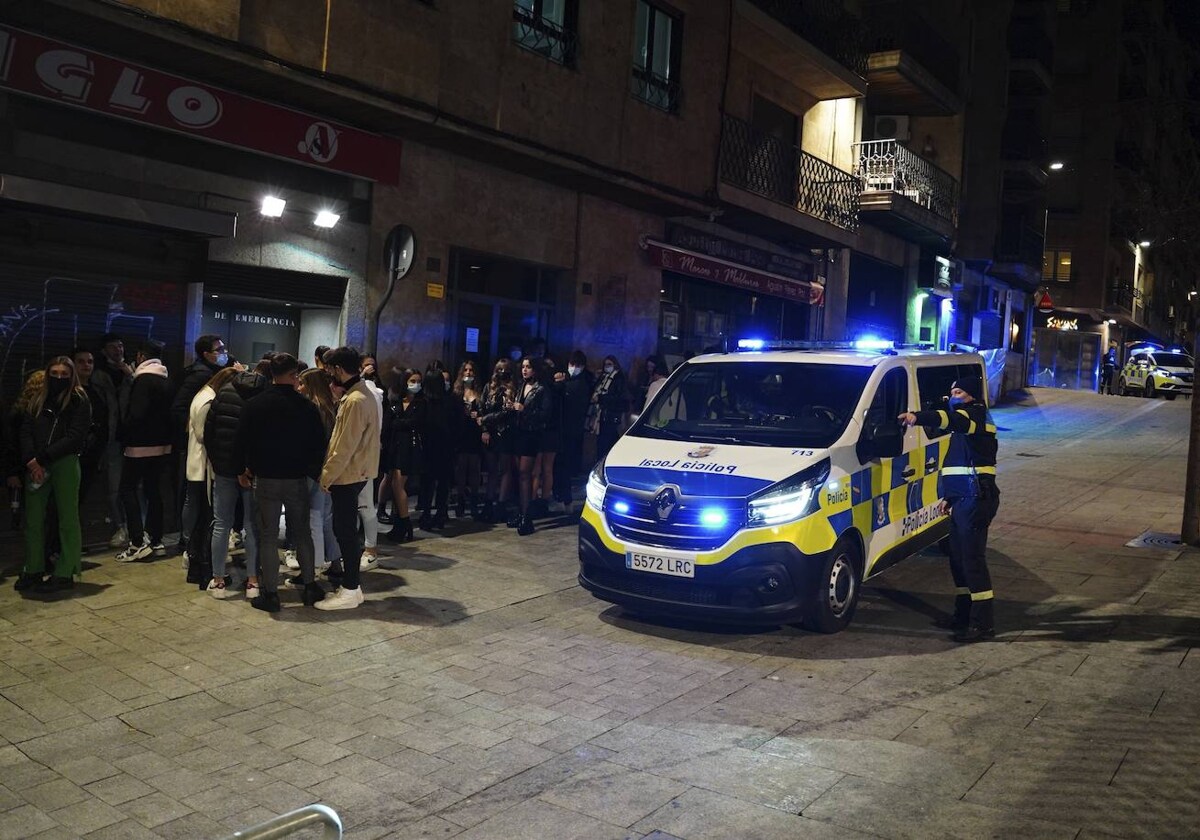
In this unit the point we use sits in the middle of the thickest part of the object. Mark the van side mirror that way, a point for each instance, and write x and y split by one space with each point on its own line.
884 441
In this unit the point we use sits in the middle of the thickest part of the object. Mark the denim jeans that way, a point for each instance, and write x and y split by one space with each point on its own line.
225 495
114 458
320 518
366 515
291 496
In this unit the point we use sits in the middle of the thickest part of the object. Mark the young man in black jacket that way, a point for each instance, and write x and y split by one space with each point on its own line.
146 435
283 439
223 445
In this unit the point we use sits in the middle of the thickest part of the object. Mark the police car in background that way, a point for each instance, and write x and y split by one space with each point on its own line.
763 486
1152 370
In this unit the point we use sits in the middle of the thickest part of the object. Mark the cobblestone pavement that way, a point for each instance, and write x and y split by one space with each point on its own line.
480 693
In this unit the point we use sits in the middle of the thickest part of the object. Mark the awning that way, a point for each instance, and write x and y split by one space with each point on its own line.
728 273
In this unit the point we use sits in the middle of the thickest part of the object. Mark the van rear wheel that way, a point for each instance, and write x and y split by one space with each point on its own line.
834 594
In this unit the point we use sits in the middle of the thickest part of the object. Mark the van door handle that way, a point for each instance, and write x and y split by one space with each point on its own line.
909 473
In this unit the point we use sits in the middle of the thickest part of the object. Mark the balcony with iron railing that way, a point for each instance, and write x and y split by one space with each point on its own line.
1020 252
761 163
541 35
911 69
1031 59
906 193
826 25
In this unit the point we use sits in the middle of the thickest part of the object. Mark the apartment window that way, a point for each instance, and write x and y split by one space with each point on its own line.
546 27
1056 267
656 52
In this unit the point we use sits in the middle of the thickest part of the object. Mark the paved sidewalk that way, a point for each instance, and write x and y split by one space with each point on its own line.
481 694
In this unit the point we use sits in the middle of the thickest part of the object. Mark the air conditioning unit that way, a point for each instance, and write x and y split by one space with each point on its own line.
891 127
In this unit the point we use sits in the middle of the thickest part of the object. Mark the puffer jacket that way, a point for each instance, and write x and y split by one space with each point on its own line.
146 421
56 433
224 419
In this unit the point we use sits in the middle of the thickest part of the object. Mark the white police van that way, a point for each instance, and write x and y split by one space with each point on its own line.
1152 370
764 485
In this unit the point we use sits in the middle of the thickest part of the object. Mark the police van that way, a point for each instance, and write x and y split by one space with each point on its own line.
764 485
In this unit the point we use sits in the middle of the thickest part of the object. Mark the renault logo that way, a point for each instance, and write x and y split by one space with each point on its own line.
664 503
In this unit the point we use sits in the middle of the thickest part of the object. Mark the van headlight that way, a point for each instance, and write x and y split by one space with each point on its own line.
789 500
596 487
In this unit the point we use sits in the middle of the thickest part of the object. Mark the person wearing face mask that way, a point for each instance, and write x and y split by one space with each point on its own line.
575 392
407 424
52 436
352 460
969 493
211 356
610 401
468 399
531 414
497 440
437 457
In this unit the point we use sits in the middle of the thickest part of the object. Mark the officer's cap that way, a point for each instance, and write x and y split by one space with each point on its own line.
971 384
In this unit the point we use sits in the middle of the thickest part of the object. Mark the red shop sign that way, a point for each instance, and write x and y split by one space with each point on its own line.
731 274
37 66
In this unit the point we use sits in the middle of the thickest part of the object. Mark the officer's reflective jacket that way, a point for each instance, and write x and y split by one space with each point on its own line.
972 451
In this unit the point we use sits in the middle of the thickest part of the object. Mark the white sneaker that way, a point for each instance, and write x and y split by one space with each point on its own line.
183 559
290 560
368 562
235 541
134 552
220 591
342 599
159 549
252 592
120 538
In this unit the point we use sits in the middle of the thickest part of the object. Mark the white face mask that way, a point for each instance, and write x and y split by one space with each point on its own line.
414 388
609 368
222 359
574 370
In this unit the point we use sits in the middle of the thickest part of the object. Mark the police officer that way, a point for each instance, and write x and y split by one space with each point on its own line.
968 487
1108 369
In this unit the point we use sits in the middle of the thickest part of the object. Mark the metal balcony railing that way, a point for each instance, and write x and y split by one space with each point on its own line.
898 26
826 25
886 166
762 163
654 89
542 36
1020 243
1123 295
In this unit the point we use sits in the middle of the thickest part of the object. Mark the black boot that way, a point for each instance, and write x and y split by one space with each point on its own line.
312 593
425 523
460 509
525 527
514 520
402 531
267 602
54 583
28 580
440 519
982 624
961 616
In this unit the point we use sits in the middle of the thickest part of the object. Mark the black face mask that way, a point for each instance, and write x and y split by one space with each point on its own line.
55 388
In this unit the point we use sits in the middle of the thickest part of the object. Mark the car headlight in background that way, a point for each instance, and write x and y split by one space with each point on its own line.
596 487
791 499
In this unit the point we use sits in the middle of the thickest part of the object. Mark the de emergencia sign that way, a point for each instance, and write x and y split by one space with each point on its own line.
254 318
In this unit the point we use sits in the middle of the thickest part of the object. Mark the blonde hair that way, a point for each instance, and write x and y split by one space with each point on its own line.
38 403
316 384
221 378
35 383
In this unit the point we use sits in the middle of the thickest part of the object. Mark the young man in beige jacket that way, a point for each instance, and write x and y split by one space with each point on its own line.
351 461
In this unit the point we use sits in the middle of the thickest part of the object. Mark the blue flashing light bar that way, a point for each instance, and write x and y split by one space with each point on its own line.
751 344
870 342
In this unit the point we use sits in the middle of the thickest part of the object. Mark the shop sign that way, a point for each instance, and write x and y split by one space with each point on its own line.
1064 324
254 318
37 66
717 246
731 274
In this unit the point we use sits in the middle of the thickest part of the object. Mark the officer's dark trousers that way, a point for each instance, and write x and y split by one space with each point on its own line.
970 517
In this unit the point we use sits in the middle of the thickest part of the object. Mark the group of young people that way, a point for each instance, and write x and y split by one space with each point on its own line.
250 444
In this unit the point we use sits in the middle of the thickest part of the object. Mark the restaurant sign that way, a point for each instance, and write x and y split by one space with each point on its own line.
689 262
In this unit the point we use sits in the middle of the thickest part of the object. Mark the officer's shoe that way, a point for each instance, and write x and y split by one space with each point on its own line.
974 633
960 618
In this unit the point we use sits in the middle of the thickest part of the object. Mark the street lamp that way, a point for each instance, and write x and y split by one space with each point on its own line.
1055 166
272 207
1145 243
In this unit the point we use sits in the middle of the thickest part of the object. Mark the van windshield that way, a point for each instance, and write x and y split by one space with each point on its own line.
1173 360
755 404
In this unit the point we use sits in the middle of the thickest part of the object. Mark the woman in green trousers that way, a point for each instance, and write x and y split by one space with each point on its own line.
53 433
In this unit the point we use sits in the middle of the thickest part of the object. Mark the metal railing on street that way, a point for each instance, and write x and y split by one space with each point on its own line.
887 166
294 821
764 164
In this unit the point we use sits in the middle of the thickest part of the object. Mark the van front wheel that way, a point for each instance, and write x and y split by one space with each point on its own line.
834 595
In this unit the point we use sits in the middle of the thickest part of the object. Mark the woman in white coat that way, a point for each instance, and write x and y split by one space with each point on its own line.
198 473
